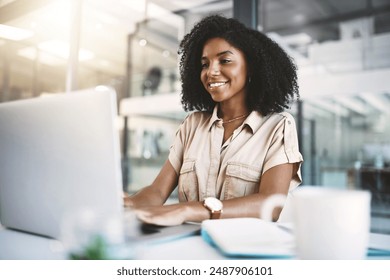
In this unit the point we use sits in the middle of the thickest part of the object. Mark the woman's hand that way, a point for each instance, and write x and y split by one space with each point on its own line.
127 201
166 215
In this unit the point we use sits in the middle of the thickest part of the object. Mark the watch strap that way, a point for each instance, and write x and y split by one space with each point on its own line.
214 214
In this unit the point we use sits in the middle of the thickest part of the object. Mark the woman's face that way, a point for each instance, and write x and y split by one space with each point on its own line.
224 71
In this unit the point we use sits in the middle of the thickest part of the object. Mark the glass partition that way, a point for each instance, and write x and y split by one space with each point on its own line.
347 145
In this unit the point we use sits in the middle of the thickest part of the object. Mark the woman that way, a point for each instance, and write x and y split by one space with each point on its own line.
238 147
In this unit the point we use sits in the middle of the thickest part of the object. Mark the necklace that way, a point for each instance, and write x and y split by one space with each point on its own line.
234 119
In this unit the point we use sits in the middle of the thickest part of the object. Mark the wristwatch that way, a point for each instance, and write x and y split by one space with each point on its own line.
215 207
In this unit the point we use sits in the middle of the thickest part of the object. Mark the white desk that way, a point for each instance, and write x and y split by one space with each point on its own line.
15 245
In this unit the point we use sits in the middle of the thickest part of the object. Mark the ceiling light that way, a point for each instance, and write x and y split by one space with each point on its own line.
44 58
52 53
61 49
142 42
14 33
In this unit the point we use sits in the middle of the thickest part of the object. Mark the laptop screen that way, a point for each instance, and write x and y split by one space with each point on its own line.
58 155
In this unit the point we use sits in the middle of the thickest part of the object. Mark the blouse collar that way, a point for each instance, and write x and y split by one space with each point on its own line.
253 121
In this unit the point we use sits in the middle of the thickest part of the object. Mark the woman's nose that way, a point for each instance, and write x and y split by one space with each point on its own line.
214 69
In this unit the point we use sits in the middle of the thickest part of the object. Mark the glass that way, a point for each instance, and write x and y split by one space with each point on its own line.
87 235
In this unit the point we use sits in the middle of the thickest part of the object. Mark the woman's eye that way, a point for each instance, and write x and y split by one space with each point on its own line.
204 65
224 61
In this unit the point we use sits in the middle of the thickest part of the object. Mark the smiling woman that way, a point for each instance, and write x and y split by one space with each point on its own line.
238 147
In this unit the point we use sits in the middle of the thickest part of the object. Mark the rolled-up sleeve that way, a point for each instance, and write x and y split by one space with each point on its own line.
176 151
284 148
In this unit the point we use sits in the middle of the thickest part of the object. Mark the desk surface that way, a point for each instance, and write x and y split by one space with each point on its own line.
16 245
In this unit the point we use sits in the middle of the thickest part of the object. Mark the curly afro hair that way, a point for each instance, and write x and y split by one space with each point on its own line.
272 73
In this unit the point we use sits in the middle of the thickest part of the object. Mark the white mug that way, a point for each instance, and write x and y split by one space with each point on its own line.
328 223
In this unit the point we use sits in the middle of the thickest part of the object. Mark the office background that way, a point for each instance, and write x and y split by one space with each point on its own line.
342 49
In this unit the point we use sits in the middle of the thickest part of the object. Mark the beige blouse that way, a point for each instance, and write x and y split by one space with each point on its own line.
208 167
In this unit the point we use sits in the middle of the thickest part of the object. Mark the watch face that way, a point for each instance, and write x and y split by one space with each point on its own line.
213 203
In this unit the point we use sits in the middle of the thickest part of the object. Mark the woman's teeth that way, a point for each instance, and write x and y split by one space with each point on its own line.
212 85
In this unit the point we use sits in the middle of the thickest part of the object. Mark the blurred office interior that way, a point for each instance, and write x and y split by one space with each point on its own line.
341 48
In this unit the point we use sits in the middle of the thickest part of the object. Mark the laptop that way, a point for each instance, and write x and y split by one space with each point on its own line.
60 157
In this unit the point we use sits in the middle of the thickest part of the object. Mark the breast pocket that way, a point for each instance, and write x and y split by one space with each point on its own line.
241 180
188 182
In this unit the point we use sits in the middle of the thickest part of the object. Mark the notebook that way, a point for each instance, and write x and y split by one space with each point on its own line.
249 237
60 156
256 238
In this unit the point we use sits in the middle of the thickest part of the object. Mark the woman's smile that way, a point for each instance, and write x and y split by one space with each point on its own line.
216 85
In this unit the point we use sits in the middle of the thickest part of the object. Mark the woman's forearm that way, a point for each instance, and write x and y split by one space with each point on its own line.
194 211
147 196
